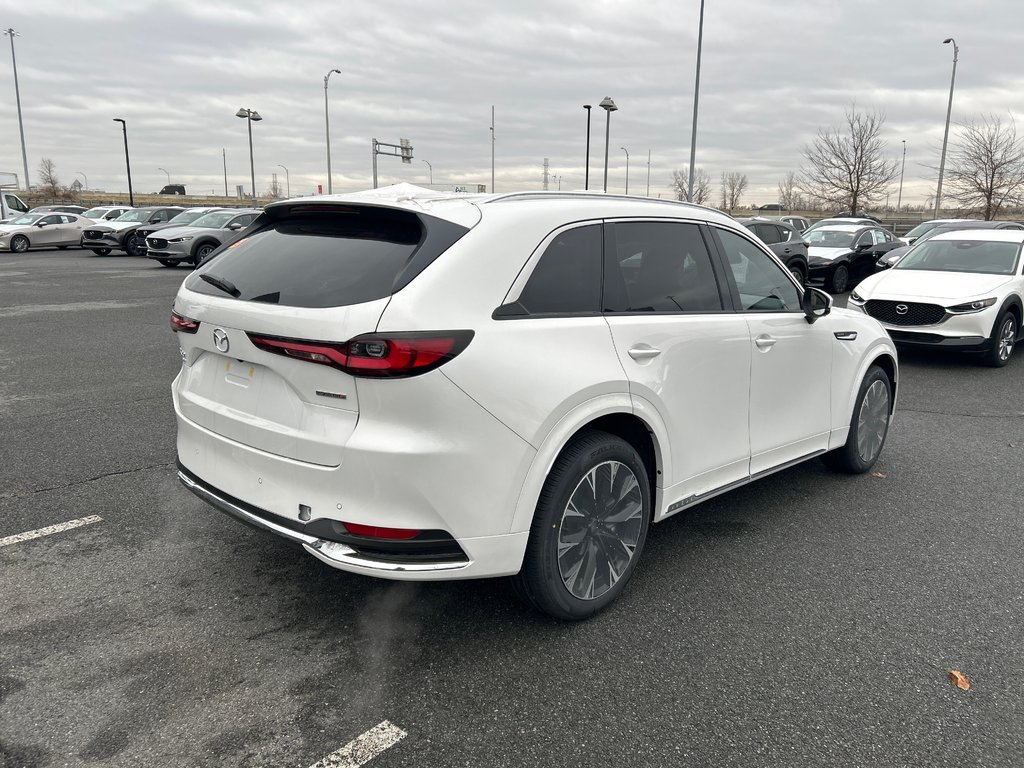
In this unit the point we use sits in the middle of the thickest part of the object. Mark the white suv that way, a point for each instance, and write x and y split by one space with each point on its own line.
436 387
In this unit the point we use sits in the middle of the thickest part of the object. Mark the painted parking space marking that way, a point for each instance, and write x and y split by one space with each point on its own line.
364 748
50 529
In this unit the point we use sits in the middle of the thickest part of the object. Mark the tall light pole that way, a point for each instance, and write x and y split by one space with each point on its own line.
249 115
327 130
608 106
86 179
287 180
899 197
627 168
431 169
648 173
167 172
17 96
224 157
586 177
127 162
492 149
945 135
696 98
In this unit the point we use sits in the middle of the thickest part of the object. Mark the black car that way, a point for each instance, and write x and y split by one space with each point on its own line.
784 241
841 255
897 253
122 233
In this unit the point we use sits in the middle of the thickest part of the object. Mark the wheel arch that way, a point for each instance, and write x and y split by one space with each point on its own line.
613 415
1012 303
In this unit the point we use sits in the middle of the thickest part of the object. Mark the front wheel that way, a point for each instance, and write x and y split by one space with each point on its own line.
19 244
839 280
1004 337
798 274
868 427
134 245
101 251
589 528
167 263
202 252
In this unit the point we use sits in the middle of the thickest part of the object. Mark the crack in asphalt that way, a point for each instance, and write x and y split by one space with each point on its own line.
1012 415
16 494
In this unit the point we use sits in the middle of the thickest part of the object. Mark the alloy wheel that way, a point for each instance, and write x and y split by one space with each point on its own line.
873 420
1007 334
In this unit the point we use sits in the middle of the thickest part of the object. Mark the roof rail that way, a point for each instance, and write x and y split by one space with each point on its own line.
591 195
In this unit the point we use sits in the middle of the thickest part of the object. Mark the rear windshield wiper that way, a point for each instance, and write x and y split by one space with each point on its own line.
219 282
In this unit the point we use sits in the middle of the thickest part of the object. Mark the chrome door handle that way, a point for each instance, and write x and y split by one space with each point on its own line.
643 353
764 342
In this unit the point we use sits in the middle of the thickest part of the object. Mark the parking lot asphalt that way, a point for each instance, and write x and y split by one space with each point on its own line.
808 619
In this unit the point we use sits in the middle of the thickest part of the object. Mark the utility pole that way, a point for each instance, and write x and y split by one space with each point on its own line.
492 149
224 157
17 96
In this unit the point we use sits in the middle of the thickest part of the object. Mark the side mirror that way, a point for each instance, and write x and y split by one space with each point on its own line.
235 227
40 224
816 303
862 246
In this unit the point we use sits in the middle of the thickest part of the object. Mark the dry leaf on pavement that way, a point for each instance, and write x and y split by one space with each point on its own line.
959 679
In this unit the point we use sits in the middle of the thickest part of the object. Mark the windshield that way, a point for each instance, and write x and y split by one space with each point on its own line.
214 220
186 217
28 218
983 256
139 214
96 213
829 238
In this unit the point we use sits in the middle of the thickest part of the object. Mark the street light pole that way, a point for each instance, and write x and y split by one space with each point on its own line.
17 96
492 149
696 98
608 106
648 173
167 172
586 177
431 169
327 129
127 162
945 135
627 168
224 157
249 115
899 197
287 180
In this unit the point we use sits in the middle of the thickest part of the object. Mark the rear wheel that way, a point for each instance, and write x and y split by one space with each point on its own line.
1004 338
19 244
589 528
868 427
839 280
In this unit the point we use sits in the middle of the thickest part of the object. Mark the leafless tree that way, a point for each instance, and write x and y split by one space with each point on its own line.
847 164
49 183
733 186
701 185
789 193
985 170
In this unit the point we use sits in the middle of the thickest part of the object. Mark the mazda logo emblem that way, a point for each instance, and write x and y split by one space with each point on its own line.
220 340
901 309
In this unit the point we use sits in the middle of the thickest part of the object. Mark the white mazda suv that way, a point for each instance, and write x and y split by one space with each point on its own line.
958 290
423 386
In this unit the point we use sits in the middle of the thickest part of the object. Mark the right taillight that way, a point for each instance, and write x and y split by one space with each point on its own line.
182 324
387 355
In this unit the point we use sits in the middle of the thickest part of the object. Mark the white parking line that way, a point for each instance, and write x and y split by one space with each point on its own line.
39 533
363 749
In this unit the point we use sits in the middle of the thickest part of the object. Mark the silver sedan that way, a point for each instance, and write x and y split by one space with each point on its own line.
42 230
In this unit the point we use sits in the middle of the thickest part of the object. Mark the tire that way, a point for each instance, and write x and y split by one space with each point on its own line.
798 273
167 263
839 279
133 246
589 528
1004 336
101 251
19 244
869 426
62 247
202 251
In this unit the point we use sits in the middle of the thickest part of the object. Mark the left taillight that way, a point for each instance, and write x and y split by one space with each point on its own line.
182 324
391 355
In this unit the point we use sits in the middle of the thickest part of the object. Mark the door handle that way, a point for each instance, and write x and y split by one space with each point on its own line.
764 342
643 352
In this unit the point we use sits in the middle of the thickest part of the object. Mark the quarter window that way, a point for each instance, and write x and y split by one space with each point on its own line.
567 279
762 284
659 267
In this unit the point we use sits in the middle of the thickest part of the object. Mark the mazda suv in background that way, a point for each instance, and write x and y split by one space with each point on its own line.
183 219
784 241
194 242
120 234
419 386
841 255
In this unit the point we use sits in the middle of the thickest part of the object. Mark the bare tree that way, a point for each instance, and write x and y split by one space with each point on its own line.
49 183
985 170
701 185
846 165
789 193
733 186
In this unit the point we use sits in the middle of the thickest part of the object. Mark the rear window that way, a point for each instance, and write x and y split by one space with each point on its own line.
328 260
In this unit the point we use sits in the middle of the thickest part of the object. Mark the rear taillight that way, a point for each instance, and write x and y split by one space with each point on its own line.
378 532
182 324
377 355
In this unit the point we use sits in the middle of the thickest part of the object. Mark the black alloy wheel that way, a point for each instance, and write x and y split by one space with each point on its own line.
134 245
839 279
202 251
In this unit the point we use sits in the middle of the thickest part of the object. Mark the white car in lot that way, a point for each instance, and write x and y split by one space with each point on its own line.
106 212
417 386
961 289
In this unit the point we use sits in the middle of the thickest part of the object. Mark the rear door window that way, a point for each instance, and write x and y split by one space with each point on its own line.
329 259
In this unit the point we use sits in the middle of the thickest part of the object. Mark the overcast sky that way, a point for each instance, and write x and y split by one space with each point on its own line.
772 75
